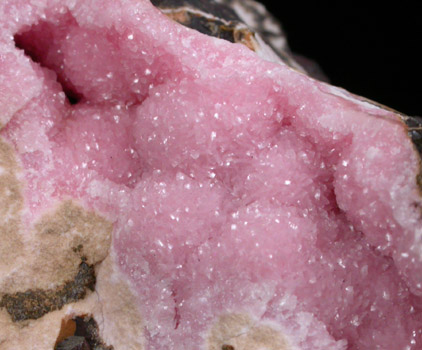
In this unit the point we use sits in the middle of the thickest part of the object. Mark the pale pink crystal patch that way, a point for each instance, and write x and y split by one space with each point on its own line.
235 185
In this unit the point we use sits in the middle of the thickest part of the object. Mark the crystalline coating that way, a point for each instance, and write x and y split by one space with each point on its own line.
236 186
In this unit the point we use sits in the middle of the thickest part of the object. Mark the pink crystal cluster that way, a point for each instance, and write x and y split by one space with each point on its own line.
234 184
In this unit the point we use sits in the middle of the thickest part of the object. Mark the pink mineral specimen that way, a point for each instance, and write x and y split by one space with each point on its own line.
252 206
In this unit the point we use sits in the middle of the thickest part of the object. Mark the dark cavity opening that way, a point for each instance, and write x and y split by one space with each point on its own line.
42 44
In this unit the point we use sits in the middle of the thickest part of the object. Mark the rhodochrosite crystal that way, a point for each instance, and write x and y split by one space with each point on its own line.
165 189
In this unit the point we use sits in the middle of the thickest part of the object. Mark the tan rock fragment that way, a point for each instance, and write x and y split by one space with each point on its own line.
122 324
10 205
239 332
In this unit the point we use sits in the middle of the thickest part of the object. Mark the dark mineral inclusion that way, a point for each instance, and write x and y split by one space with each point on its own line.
33 304
86 336
73 343
415 131
227 347
219 19
223 23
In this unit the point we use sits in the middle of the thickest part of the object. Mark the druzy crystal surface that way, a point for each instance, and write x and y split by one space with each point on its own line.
235 185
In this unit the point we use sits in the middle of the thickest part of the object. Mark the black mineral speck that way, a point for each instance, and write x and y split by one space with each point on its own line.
78 248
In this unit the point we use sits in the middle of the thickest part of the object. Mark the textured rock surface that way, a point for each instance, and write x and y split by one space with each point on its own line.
223 199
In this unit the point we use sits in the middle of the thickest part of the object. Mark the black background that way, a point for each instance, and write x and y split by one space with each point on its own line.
370 51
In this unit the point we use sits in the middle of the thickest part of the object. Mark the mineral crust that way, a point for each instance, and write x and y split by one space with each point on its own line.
216 197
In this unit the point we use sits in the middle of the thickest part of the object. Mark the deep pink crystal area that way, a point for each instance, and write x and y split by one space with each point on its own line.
234 184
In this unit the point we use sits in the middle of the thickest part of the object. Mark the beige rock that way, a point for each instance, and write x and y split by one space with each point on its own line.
237 331
112 305
53 255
